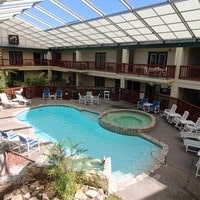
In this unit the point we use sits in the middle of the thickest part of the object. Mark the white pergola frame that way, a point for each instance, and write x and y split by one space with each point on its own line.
168 22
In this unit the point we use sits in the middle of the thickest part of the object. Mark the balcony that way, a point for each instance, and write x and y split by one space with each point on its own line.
166 71
144 70
190 73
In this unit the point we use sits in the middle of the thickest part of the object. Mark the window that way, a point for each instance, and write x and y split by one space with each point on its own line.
99 82
18 76
157 58
100 59
74 56
39 58
131 85
57 56
16 57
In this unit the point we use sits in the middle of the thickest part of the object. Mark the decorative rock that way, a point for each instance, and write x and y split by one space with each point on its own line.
101 192
33 198
100 198
8 196
27 195
80 195
45 196
17 191
35 185
50 194
25 189
92 193
34 193
17 197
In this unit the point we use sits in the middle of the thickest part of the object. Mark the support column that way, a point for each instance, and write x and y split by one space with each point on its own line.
78 56
77 79
122 83
49 57
179 60
125 56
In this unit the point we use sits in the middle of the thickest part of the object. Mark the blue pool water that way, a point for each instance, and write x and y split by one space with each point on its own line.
129 154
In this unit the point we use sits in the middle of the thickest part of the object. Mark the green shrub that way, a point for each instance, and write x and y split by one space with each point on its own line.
66 179
35 79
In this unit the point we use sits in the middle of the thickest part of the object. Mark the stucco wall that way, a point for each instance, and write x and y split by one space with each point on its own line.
141 55
89 55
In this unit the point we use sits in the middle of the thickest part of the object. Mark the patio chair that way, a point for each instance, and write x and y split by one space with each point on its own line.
6 102
155 107
28 145
167 111
89 98
180 120
46 94
81 98
21 99
191 145
195 127
141 103
96 99
198 168
58 94
189 135
9 138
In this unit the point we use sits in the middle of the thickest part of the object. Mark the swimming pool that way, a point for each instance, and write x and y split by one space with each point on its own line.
129 154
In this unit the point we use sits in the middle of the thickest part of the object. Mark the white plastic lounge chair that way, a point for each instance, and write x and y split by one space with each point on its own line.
81 98
198 168
28 145
189 135
10 138
180 120
6 102
191 145
46 94
198 165
89 99
21 99
58 94
167 111
96 99
195 127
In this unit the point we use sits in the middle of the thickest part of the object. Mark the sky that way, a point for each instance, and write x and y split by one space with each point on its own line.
79 8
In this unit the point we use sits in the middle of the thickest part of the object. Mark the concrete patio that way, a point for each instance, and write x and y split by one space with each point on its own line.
175 179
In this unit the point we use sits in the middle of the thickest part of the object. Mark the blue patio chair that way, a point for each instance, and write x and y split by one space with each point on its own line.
9 138
46 94
155 107
58 94
28 144
141 103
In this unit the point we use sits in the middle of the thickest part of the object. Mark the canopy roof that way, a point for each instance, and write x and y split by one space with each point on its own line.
85 23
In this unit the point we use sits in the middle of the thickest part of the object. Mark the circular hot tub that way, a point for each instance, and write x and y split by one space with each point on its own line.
126 121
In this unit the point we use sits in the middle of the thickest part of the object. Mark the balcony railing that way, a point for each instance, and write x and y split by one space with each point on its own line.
146 70
190 72
164 71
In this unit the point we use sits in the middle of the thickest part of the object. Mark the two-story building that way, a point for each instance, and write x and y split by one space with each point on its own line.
153 49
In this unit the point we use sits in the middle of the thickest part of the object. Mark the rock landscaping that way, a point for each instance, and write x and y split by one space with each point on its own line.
34 183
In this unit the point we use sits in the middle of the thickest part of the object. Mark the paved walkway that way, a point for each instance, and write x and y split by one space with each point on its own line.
175 179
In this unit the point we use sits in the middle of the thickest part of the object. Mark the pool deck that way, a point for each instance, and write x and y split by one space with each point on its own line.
174 179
